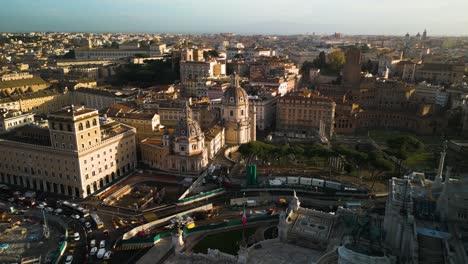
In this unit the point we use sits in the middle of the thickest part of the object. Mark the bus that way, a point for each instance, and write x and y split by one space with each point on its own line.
97 220
75 209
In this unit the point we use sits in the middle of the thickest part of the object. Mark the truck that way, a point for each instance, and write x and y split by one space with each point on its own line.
251 203
30 194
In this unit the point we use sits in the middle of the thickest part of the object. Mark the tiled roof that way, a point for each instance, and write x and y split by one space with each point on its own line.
22 82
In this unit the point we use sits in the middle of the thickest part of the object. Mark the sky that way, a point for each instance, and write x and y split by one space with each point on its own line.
395 17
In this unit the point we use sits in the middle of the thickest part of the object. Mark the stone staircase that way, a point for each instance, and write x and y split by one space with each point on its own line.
431 250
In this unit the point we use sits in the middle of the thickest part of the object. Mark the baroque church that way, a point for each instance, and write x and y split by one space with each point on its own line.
238 116
184 149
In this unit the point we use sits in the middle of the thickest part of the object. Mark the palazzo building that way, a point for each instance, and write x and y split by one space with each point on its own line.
77 154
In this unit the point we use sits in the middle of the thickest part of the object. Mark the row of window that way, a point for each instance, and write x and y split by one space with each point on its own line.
41 185
32 171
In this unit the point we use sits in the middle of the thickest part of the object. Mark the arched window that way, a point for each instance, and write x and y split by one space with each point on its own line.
80 126
242 112
88 124
94 122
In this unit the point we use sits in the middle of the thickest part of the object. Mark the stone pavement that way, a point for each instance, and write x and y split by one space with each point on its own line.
157 252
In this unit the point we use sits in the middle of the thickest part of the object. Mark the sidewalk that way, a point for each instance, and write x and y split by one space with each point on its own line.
157 252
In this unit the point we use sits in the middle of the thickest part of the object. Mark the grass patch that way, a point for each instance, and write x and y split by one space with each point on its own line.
421 161
227 242
381 136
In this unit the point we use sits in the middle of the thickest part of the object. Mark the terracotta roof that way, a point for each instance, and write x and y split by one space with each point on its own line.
140 116
441 67
114 109
22 82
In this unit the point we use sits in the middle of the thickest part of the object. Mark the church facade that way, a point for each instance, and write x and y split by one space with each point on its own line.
182 152
238 116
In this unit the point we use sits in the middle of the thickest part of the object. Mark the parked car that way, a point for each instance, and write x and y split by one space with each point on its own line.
101 253
69 259
108 255
4 246
75 216
102 244
93 251
87 224
49 209
92 243
77 236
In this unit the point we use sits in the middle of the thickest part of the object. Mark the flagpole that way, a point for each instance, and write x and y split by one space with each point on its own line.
243 227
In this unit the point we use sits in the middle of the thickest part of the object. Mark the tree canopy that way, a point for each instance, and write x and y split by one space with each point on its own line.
210 53
332 65
336 60
144 75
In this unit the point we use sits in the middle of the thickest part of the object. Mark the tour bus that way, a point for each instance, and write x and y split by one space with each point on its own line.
75 209
97 220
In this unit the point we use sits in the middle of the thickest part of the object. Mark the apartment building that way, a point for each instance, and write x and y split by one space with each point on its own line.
304 113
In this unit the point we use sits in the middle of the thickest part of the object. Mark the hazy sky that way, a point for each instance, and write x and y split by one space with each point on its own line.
440 17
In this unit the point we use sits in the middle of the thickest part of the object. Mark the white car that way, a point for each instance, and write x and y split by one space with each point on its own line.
40 206
102 244
69 259
93 251
76 236
107 255
49 209
92 243
11 199
58 211
87 224
101 253
75 216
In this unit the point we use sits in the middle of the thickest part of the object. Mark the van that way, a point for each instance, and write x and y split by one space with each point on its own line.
101 253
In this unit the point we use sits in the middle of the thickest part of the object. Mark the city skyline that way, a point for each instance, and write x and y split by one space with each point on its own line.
242 17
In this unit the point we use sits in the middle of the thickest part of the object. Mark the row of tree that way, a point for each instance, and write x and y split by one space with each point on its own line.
270 152
375 162
148 74
331 64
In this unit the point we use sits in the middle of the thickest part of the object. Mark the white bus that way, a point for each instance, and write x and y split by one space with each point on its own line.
97 220
75 209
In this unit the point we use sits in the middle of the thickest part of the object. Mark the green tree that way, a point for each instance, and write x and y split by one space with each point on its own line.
305 69
114 45
336 60
69 55
406 142
368 67
378 165
210 53
321 61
